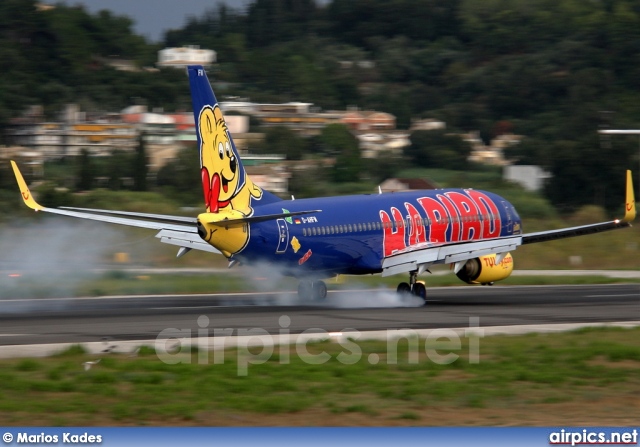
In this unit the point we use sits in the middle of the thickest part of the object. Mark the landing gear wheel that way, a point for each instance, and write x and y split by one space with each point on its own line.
420 291
305 290
319 290
308 290
404 288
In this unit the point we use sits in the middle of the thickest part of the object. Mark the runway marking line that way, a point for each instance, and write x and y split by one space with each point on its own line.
607 296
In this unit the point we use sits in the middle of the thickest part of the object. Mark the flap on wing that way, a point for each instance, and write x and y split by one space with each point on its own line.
412 257
185 240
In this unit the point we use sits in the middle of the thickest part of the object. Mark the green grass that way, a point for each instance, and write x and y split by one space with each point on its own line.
526 376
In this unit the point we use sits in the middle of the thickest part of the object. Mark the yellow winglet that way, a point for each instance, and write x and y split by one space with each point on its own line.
630 202
24 189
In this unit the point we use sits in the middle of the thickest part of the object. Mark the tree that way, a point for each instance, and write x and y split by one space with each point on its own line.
140 166
281 140
181 176
86 172
337 140
119 169
438 149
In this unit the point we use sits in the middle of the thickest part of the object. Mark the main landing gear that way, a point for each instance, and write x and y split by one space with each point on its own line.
414 287
312 290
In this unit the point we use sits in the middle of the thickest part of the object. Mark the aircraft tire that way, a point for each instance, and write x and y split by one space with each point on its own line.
319 290
420 291
404 288
305 290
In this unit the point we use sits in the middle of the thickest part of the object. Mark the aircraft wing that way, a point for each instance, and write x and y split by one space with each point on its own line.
420 256
629 215
174 230
158 217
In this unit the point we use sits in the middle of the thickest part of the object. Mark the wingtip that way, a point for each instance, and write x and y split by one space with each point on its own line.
630 202
27 197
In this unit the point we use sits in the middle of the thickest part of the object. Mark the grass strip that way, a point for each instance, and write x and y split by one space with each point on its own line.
584 377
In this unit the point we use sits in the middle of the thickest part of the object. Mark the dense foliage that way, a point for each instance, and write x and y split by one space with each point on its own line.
552 70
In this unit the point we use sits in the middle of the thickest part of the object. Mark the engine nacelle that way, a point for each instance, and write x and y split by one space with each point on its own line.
485 269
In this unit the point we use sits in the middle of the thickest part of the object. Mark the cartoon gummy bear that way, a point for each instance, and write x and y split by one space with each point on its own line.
227 188
225 185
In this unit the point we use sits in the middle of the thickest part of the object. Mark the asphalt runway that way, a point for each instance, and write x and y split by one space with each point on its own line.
76 320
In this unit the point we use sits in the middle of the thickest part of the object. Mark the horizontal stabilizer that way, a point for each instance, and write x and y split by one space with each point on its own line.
185 240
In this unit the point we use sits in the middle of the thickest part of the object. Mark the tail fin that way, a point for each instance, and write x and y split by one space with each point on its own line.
225 183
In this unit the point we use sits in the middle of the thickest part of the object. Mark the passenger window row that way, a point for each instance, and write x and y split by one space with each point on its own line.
370 226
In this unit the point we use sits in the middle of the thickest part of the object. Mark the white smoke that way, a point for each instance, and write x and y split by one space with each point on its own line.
270 278
51 256
363 298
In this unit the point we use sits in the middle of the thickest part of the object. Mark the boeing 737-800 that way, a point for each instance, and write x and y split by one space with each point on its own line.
313 239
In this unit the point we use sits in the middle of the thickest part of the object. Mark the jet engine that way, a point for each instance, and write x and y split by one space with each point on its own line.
486 269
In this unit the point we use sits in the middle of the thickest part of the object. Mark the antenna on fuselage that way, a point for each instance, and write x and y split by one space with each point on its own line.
379 189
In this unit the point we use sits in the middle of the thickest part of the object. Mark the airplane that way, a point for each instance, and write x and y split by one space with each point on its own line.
314 239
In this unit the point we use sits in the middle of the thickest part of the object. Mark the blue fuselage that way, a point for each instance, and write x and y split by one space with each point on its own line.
353 234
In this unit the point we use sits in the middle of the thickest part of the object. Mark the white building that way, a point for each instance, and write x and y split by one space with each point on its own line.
530 177
183 56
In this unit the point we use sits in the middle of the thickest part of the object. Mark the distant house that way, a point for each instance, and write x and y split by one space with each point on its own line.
361 120
374 143
427 124
406 184
272 177
183 56
530 177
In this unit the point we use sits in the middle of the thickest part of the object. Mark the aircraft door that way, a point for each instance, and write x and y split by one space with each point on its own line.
509 222
283 236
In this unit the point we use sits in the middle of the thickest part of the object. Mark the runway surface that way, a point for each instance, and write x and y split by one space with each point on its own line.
76 320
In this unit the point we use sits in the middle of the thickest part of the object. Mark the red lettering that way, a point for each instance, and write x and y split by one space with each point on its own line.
489 261
417 234
468 211
490 215
453 218
436 213
393 239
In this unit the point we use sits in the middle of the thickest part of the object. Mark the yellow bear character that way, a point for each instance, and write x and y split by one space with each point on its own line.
227 189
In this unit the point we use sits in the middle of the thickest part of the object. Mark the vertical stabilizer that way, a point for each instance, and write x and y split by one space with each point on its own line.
225 184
